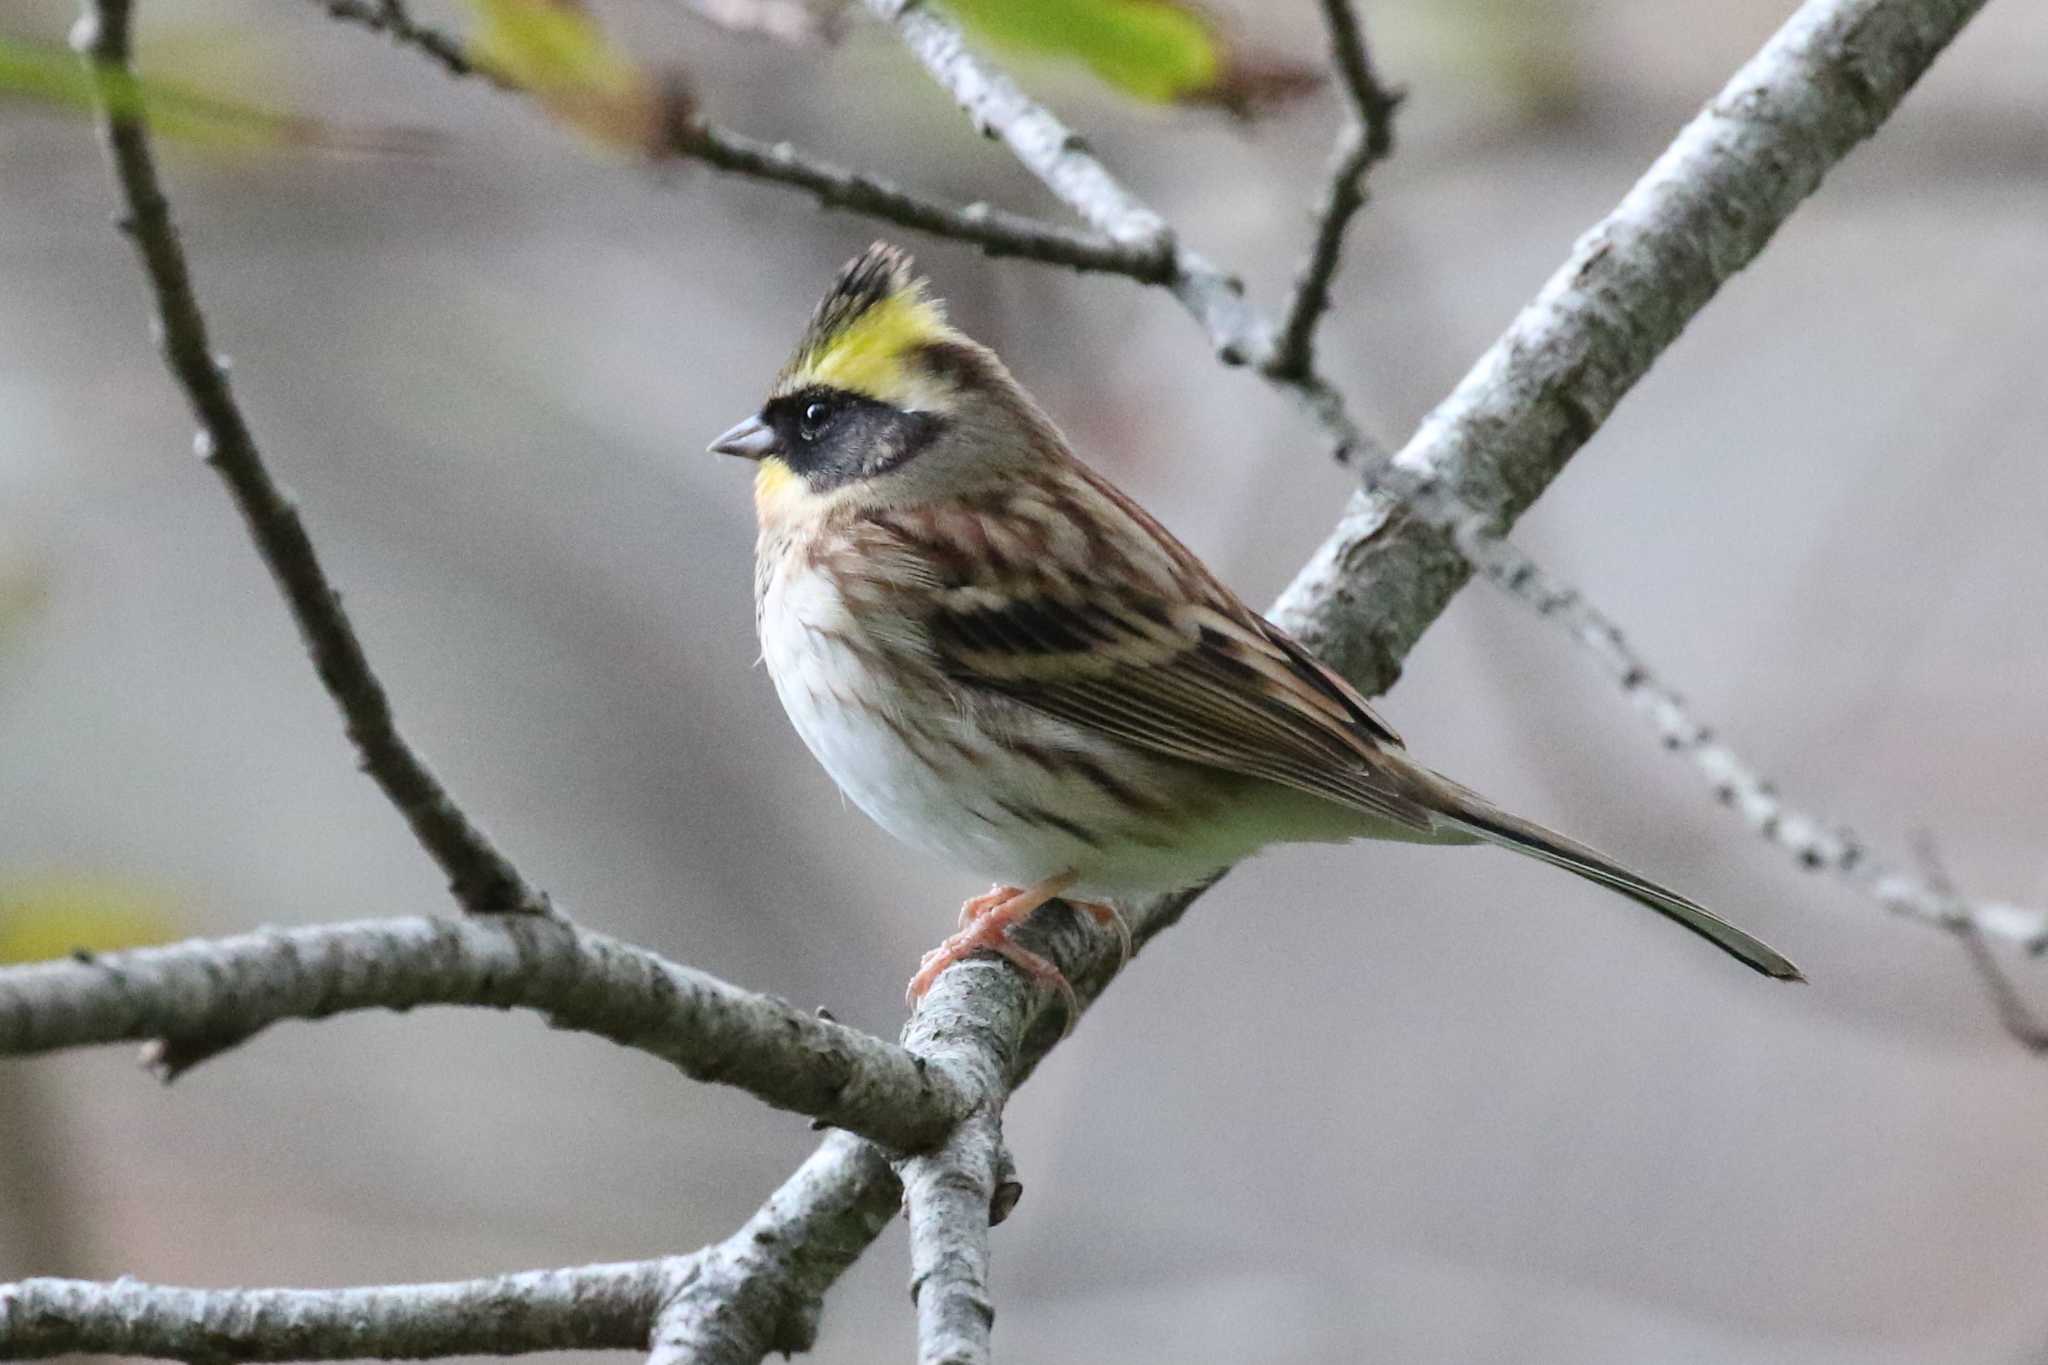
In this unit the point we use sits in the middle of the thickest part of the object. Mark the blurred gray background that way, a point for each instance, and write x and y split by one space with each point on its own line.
1369 1103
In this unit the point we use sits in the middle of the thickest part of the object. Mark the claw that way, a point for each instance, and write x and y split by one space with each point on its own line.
974 907
1113 918
986 921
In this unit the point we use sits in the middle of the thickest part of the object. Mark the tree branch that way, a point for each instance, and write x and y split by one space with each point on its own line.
948 1197
1367 138
586 1308
1708 205
1129 238
1814 844
996 231
2013 1014
762 1289
479 876
759 1290
968 1026
207 995
394 20
1703 210
1701 213
1060 158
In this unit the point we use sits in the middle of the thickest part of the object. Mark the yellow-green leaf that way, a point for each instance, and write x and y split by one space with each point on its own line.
55 76
48 917
1163 51
556 51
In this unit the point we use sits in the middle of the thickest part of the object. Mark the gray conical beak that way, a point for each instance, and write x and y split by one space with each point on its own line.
752 439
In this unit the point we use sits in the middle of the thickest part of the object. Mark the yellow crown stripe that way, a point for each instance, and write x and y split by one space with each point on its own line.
869 355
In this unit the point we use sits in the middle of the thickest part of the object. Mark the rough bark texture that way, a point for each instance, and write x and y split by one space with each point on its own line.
209 994
585 1308
1709 204
762 1290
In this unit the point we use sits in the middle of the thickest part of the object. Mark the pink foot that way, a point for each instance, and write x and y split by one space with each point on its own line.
1111 918
974 907
986 922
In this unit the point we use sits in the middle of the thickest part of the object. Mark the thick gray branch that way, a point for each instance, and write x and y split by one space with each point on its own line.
948 1197
759 1290
585 1308
1823 83
763 1288
208 994
969 1026
479 876
1702 212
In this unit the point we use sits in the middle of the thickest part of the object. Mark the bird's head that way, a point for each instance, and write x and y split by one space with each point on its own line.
885 402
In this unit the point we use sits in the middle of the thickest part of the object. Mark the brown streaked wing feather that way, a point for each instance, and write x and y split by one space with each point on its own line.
1309 670
1185 670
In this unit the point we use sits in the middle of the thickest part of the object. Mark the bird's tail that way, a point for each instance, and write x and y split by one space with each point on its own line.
1472 814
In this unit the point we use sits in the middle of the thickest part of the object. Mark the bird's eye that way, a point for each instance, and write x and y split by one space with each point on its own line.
817 416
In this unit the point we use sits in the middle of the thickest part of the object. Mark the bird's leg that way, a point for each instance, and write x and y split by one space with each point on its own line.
974 907
1111 918
989 930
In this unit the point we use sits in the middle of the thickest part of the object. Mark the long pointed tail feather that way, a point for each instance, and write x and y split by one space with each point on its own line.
1469 812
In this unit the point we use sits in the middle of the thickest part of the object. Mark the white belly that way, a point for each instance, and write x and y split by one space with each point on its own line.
933 776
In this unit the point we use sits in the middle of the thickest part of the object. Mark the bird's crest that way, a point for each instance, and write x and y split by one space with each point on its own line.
877 314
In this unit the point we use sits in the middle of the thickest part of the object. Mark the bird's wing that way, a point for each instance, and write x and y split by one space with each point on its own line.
1136 639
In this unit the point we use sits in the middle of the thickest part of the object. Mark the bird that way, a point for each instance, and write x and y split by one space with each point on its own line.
1004 661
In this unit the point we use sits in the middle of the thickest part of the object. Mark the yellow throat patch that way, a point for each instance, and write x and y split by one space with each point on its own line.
775 486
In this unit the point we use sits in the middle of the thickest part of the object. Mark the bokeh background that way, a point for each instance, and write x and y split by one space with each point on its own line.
1372 1103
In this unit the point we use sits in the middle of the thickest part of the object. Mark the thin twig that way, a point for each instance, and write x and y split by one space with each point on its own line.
996 231
1129 239
207 995
393 19
1814 844
1367 138
479 876
2013 1013
1060 158
1047 147
593 1307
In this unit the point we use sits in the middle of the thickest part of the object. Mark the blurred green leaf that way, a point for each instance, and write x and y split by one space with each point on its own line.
556 51
1162 51
55 76
49 917
547 46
